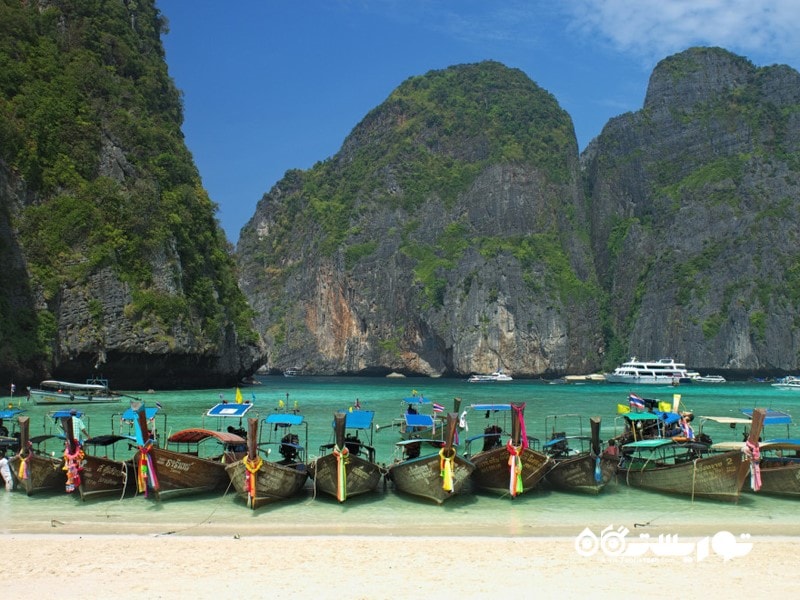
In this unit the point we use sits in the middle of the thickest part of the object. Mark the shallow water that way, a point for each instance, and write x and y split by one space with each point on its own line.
539 512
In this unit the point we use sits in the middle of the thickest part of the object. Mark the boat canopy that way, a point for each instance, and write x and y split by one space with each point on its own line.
419 420
66 385
419 441
649 443
60 414
194 436
359 419
781 444
10 413
727 420
416 400
493 407
108 440
284 419
226 409
772 417
727 446
557 440
130 414
645 416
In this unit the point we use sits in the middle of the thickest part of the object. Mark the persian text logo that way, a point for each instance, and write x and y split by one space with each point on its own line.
614 543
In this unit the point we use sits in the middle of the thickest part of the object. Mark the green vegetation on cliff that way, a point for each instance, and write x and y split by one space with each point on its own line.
90 121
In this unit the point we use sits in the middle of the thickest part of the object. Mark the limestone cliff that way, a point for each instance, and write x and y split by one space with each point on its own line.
694 218
114 263
445 237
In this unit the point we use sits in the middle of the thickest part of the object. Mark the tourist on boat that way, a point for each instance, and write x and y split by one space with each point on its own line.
611 449
5 471
78 427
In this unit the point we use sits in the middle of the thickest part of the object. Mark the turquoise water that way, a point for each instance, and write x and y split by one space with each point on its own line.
540 512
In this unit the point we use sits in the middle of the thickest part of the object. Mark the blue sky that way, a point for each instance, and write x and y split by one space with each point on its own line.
272 85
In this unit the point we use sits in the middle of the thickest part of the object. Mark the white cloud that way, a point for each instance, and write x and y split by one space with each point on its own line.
765 30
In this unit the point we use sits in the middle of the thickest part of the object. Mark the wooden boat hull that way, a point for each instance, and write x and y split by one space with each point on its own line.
422 477
492 471
45 474
274 482
778 479
181 474
362 476
716 476
579 473
103 476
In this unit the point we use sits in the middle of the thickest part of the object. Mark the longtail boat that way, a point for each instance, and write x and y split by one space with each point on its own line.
579 464
778 458
190 464
103 473
260 481
684 466
33 469
514 468
438 476
346 467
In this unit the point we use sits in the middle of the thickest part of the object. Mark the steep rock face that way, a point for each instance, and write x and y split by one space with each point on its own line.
444 238
116 263
694 214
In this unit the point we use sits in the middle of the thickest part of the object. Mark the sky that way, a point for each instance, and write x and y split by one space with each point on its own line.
273 85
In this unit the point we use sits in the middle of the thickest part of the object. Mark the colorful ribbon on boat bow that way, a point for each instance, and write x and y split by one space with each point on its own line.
514 469
145 473
251 468
753 454
342 457
72 465
446 469
24 471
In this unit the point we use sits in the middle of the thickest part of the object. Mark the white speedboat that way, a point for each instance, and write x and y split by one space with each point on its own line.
94 391
490 378
709 379
664 371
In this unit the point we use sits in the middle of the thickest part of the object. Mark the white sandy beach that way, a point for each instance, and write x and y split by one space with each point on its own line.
71 565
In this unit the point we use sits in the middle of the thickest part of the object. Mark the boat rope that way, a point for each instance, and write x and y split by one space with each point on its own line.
342 458
251 468
752 454
73 466
514 469
694 475
446 469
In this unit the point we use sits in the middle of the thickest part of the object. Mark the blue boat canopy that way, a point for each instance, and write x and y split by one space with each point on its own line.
419 420
60 414
283 419
226 409
149 412
772 417
652 443
359 419
10 413
416 400
498 407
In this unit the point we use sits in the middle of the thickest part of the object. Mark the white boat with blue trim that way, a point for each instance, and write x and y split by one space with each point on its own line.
664 371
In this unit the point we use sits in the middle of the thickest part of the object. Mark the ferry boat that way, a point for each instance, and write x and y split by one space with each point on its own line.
664 371
490 378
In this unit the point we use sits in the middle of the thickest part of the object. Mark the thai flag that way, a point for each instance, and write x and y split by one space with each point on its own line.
635 401
438 407
13 388
158 405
